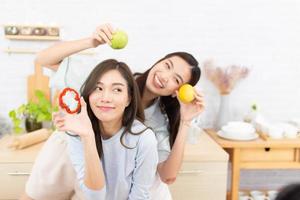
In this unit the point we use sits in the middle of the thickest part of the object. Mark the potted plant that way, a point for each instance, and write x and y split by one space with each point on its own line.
32 113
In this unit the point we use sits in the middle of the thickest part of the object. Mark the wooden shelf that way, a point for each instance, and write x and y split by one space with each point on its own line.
34 51
31 37
31 32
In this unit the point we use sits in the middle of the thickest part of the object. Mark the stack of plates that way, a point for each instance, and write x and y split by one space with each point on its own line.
238 131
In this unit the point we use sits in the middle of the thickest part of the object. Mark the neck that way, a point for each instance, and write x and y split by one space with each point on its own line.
111 128
148 98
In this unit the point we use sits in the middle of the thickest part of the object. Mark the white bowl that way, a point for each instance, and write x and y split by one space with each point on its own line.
238 129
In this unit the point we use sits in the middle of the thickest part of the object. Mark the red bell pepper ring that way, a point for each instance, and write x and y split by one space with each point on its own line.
64 105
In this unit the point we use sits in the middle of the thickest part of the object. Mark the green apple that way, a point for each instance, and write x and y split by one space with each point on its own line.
119 40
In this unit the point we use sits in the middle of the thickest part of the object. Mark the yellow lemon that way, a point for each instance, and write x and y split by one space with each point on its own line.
186 93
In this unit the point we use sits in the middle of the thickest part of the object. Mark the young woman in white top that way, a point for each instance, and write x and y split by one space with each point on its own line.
169 118
112 152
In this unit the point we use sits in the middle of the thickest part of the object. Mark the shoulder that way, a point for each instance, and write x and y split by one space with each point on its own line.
144 135
154 116
147 137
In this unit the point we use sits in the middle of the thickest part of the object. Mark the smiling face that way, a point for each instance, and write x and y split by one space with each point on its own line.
168 75
110 97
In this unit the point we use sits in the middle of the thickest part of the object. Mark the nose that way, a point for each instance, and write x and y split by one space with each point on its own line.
106 96
165 77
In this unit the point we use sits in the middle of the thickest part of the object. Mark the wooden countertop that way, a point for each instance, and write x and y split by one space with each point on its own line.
26 155
257 143
206 149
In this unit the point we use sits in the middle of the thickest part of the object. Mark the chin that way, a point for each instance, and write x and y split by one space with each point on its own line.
103 118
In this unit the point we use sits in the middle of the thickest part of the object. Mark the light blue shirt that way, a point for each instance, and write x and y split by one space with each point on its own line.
129 173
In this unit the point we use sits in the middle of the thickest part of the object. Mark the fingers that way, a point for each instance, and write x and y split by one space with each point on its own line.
110 28
104 33
60 125
197 93
198 96
103 37
199 101
83 109
82 102
58 120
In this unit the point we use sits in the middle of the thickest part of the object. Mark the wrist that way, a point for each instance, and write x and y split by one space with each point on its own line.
89 42
185 122
89 136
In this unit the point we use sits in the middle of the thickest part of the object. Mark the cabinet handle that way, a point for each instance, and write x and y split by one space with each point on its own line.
18 174
191 172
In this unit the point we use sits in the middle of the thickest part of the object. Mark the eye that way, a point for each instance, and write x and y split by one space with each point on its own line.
117 90
177 81
98 88
168 66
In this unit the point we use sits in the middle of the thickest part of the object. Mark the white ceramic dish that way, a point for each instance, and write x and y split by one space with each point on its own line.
239 138
238 128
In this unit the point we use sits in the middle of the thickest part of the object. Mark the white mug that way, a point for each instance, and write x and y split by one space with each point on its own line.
275 132
272 194
258 195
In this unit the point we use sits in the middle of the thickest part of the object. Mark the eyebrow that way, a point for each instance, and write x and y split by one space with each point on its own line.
178 76
114 84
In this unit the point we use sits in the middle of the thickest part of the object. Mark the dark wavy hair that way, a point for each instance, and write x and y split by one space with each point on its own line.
289 192
168 104
133 111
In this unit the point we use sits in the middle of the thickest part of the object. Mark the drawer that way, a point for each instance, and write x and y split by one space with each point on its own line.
267 154
13 177
201 181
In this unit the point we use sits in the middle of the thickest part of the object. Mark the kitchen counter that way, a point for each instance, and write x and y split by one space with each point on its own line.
203 174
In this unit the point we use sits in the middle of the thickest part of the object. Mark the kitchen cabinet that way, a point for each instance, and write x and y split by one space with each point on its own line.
15 167
203 174
258 154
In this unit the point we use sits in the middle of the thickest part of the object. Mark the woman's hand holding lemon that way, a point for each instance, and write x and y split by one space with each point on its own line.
191 102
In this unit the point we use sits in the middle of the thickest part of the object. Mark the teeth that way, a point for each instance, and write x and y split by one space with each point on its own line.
157 80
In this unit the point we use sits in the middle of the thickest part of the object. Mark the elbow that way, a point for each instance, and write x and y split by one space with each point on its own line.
168 179
94 186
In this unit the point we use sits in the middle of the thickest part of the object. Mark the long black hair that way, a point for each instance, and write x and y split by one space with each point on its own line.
168 104
133 111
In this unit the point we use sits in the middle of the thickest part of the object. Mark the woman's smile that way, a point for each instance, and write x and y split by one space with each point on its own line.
105 108
157 82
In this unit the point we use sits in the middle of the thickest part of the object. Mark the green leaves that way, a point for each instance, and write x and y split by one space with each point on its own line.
254 107
41 111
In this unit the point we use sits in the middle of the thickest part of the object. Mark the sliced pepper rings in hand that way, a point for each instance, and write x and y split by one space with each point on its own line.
69 100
